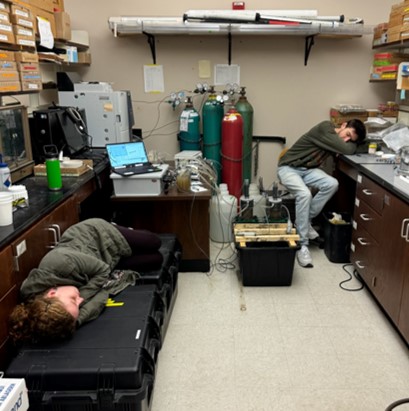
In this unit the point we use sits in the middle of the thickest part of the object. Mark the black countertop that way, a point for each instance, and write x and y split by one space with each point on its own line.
41 200
383 173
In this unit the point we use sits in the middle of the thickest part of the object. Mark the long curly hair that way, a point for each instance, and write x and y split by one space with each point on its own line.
40 319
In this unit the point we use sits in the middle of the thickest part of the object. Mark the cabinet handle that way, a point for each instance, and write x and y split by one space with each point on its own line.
365 217
58 229
373 281
358 263
367 192
362 241
404 233
55 236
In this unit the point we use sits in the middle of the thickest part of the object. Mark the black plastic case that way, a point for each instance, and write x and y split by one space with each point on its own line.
109 364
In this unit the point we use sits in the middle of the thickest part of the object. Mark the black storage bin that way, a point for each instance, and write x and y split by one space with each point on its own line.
267 263
337 238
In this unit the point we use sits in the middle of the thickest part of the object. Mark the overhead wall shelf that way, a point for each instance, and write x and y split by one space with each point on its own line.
151 26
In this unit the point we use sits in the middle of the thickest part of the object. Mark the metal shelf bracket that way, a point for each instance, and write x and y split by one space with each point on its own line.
309 42
151 42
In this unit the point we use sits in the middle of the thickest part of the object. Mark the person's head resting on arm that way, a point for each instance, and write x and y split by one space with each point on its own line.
49 316
354 130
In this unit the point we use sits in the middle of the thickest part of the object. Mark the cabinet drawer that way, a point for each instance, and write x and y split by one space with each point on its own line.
365 217
364 249
370 192
7 271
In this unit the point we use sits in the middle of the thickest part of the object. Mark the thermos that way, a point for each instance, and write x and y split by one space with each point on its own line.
52 166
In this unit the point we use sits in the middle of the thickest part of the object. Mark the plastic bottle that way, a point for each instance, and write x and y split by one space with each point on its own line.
223 211
259 202
5 179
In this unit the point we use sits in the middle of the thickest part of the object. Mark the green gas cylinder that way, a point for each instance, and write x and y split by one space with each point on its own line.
212 115
189 131
246 111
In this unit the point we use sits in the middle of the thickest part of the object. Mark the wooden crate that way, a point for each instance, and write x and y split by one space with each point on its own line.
250 232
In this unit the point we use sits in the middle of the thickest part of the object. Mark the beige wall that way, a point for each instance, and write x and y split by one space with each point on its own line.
288 98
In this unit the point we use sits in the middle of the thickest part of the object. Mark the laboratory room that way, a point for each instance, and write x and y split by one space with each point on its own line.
204 206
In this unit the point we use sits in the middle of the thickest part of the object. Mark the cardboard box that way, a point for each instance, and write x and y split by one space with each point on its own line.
7 55
13 394
10 86
6 27
84 57
21 21
62 25
31 85
25 41
29 76
9 76
28 66
4 16
4 6
23 31
8 66
49 16
47 5
58 5
25 56
19 11
7 38
80 37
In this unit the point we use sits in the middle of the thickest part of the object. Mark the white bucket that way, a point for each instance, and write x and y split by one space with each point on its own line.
223 210
6 208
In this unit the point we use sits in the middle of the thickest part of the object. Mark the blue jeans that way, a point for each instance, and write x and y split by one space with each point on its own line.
297 181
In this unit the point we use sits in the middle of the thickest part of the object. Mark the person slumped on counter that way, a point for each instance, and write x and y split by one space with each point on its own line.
94 259
299 169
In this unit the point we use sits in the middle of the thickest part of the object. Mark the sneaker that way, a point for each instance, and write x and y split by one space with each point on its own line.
312 234
304 257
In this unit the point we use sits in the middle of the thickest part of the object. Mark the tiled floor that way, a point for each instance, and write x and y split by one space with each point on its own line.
310 346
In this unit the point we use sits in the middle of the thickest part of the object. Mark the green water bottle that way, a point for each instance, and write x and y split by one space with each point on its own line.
52 166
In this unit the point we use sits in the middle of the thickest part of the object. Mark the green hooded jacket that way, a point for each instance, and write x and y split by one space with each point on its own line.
85 257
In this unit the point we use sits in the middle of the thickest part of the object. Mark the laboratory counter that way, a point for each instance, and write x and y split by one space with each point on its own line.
383 172
41 200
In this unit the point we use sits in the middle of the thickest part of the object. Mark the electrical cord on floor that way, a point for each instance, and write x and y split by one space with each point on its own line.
354 274
390 407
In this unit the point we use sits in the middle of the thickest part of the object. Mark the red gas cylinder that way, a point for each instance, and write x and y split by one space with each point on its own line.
232 151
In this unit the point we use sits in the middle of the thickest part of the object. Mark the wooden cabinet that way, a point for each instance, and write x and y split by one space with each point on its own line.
378 251
23 254
31 247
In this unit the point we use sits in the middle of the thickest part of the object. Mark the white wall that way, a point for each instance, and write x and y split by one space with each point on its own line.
288 97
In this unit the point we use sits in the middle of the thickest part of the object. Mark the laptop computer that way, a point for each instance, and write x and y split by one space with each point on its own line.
129 158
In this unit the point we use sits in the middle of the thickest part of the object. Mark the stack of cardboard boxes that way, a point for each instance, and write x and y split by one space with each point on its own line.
19 26
396 29
385 65
343 113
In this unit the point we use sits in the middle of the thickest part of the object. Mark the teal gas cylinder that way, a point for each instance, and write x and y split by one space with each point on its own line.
246 111
189 127
212 115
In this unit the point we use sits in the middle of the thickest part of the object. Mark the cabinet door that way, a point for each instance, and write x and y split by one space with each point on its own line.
403 322
30 248
7 271
364 249
393 255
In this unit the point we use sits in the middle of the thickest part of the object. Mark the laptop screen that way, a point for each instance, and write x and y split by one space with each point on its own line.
127 154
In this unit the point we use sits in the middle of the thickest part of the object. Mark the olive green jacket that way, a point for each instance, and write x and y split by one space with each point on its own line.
315 146
85 257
